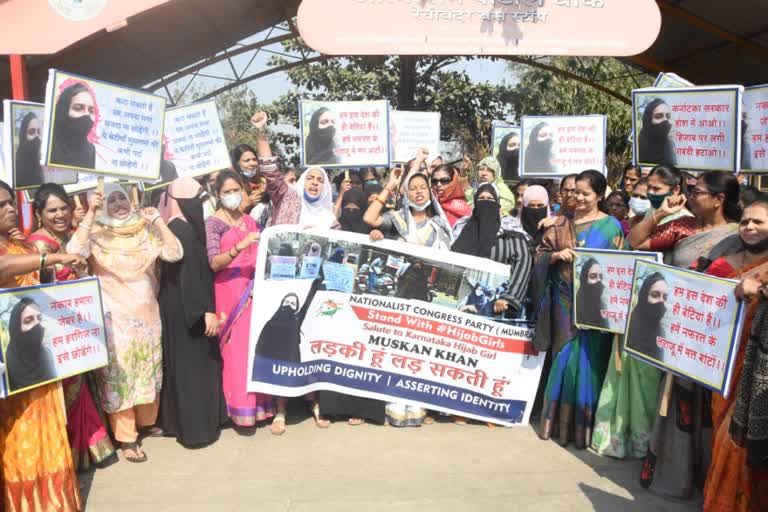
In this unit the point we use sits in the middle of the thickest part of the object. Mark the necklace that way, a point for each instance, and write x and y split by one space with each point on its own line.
232 223
53 237
585 219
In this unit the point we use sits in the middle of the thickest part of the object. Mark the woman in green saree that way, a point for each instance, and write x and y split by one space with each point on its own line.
579 357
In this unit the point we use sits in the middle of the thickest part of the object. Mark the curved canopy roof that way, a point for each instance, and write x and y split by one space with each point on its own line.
704 41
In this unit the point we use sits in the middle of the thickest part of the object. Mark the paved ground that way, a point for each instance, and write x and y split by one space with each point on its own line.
442 467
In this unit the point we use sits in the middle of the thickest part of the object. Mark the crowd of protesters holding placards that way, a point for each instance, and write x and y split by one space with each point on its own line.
177 286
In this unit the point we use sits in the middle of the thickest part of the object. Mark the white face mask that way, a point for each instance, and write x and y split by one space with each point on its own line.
232 201
639 206
421 208
479 292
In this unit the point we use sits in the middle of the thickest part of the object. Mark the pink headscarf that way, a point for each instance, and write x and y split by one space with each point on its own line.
180 188
536 193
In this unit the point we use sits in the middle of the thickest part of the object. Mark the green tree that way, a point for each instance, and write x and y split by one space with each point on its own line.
421 84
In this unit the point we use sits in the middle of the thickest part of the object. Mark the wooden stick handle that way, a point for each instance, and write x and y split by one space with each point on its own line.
100 185
135 195
78 203
664 404
617 353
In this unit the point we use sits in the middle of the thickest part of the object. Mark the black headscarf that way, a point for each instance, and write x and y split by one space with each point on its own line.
481 231
414 283
538 154
320 142
28 362
509 160
281 336
654 146
590 298
645 321
28 171
352 220
70 134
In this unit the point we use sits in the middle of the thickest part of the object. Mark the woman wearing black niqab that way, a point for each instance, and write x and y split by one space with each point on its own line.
27 168
353 206
320 143
509 159
414 283
589 298
645 321
71 146
538 154
280 337
28 361
481 230
654 144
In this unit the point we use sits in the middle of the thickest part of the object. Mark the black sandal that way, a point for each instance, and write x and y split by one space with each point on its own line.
135 448
152 431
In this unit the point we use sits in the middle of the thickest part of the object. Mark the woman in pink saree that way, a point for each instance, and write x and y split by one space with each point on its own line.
232 241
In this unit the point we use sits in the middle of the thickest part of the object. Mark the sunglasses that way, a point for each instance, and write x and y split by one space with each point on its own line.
442 181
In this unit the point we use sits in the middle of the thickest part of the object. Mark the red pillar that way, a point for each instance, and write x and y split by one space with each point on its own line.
21 92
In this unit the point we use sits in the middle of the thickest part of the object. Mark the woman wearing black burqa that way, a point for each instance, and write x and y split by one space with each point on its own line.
538 154
589 298
280 337
356 409
414 283
192 406
320 143
509 156
28 172
653 143
74 119
645 321
28 361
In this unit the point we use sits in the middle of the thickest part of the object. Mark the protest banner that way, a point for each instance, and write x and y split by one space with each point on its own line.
194 143
693 128
555 146
23 131
505 141
754 140
50 332
411 131
429 341
602 286
344 133
686 323
101 128
86 181
762 183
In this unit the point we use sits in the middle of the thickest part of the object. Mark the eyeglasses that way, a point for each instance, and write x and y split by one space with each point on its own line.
441 181
568 191
698 192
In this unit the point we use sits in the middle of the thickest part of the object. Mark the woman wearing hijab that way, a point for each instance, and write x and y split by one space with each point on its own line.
232 242
27 168
590 295
88 434
579 356
535 208
488 171
353 206
450 194
414 283
645 321
509 156
486 235
420 221
123 248
36 469
192 405
29 360
653 143
320 143
538 154
74 117
477 301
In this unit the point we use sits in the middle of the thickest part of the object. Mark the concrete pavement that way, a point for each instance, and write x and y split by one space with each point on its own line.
442 467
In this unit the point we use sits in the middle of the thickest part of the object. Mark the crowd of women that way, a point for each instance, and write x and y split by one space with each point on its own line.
177 280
